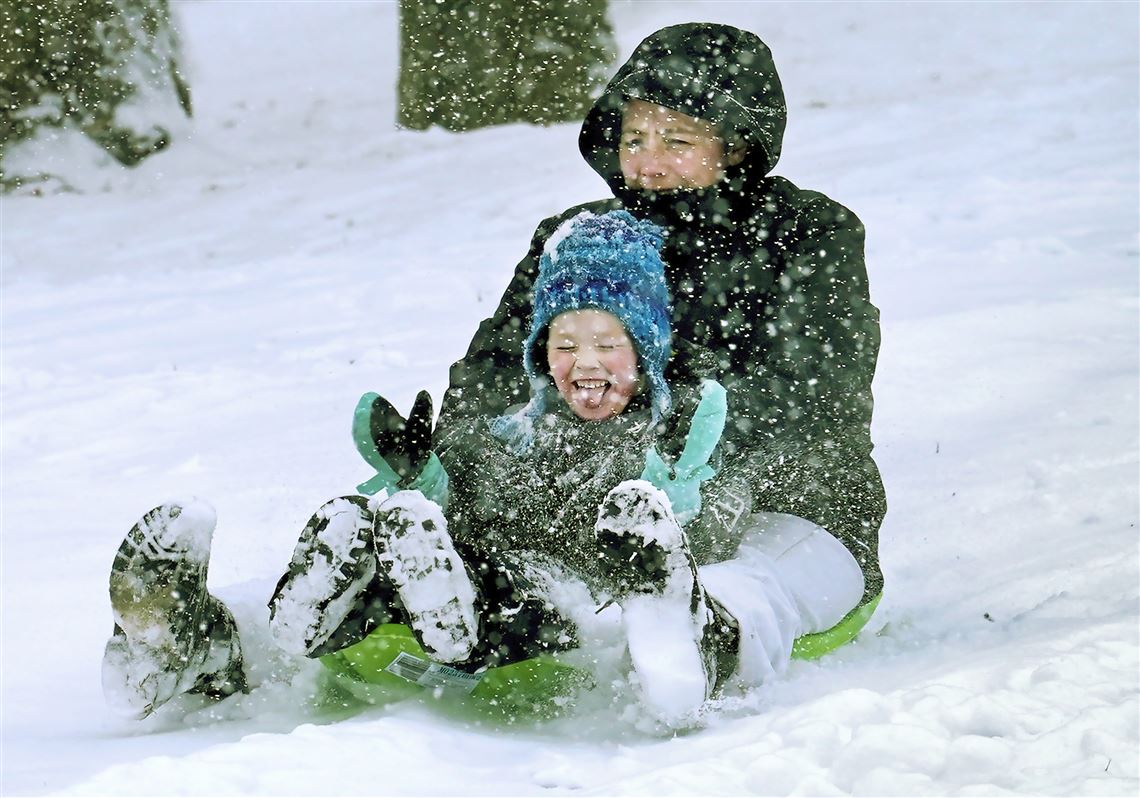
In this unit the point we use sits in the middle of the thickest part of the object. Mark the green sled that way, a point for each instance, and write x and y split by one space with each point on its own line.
541 687
537 688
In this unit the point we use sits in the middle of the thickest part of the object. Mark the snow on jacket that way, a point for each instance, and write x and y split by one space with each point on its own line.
768 277
547 499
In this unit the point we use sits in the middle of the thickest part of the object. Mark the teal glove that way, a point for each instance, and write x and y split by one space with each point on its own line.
682 482
385 439
432 482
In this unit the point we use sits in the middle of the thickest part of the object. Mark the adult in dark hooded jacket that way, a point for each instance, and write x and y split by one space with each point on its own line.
768 277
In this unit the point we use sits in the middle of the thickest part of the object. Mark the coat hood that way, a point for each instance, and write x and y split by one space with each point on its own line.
714 72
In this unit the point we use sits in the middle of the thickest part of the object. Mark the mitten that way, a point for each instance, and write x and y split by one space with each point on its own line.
398 448
682 482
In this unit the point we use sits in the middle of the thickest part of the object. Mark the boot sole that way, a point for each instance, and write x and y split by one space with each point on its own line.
643 548
157 583
331 566
415 551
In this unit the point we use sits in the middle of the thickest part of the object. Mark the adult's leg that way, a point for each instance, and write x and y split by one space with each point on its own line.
170 636
679 642
789 577
835 485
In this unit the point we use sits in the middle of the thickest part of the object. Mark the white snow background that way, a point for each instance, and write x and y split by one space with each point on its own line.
204 324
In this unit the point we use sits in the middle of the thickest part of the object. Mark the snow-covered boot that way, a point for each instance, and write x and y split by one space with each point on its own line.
171 636
415 554
674 638
332 567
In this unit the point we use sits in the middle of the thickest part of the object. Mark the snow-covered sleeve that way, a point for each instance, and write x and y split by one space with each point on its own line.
800 409
817 344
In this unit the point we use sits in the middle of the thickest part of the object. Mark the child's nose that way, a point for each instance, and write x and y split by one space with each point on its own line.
587 359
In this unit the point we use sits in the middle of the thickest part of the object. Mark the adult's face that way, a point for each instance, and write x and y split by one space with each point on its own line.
663 149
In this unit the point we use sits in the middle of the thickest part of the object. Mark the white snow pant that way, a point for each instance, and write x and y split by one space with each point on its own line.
789 578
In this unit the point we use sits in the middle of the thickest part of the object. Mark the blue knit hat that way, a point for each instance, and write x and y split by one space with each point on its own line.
609 262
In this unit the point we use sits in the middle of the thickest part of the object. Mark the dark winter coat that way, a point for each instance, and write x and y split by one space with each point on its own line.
768 277
547 499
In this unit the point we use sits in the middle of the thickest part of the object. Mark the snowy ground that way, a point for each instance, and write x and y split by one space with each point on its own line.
205 323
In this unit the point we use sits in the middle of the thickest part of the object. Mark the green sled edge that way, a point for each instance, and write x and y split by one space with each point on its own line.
541 686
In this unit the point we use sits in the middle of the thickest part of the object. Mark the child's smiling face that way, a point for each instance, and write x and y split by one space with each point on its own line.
593 362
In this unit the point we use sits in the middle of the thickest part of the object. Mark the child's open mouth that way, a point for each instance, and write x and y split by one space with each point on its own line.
590 392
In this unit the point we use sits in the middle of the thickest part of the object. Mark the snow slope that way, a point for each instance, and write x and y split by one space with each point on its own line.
204 325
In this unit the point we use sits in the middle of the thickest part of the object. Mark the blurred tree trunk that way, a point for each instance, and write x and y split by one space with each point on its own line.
472 63
108 68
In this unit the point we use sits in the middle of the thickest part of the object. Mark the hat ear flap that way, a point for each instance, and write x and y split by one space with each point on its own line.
517 429
662 397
